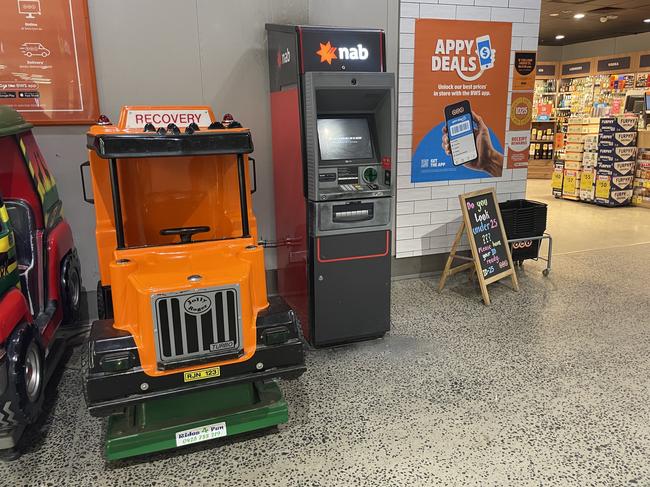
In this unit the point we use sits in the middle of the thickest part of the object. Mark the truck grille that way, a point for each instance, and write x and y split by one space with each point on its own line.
196 324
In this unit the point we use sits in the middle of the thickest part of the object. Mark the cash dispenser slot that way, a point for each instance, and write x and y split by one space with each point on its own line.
355 216
353 212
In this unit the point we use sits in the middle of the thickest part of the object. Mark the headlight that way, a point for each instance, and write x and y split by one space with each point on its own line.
276 335
116 362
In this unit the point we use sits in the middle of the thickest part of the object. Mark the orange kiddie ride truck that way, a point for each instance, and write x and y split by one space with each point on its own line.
188 343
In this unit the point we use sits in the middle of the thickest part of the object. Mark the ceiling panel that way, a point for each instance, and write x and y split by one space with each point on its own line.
603 19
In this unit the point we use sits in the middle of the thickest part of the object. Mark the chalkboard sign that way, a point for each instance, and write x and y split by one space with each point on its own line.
487 234
491 257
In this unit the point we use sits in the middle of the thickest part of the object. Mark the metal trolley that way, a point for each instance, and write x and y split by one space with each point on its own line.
513 242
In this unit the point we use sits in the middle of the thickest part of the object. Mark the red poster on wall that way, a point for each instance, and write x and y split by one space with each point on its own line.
518 149
46 64
460 98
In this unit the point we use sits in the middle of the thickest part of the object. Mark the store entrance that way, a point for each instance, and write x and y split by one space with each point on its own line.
590 148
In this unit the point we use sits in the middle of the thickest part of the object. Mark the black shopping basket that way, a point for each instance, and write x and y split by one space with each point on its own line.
522 219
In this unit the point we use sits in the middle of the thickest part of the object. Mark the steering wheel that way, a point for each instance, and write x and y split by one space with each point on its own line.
186 233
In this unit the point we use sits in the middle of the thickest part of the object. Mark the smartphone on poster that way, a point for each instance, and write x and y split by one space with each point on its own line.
484 51
460 131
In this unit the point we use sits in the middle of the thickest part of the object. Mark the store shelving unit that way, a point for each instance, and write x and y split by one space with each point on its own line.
540 163
642 80
641 187
542 151
609 93
575 99
588 87
599 162
545 95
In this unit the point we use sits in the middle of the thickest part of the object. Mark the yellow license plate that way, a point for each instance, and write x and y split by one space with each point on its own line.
202 374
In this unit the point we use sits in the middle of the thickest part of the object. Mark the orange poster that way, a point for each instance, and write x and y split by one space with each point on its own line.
524 72
460 98
521 111
46 63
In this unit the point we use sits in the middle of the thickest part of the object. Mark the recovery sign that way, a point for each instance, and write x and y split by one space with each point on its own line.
138 117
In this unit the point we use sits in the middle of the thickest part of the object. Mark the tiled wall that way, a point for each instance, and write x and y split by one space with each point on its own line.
428 214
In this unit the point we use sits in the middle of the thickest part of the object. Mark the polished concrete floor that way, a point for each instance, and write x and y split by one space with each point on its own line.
548 386
577 226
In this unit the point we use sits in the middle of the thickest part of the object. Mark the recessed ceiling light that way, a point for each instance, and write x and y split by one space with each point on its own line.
647 21
579 16
559 37
554 15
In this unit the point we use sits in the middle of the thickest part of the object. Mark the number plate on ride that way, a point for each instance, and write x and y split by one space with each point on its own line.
202 374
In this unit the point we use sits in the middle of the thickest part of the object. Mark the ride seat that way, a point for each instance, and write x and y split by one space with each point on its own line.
21 218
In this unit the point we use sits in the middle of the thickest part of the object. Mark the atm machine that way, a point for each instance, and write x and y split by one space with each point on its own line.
333 117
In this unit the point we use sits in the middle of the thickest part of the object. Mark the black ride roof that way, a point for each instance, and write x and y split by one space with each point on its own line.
152 144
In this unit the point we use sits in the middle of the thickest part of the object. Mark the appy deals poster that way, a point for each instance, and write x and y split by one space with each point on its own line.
460 97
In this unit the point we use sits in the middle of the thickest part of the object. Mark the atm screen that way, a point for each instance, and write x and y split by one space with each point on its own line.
344 138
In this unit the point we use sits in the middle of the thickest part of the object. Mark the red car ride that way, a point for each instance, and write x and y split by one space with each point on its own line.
40 280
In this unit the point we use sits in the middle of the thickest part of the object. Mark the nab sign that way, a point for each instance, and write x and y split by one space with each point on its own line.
342 50
327 53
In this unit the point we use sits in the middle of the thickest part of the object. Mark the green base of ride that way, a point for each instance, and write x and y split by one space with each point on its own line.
153 426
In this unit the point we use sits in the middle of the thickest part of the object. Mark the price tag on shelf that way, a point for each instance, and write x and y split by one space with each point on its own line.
586 180
569 184
602 188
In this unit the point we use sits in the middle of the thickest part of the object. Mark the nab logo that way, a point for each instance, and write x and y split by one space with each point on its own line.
327 53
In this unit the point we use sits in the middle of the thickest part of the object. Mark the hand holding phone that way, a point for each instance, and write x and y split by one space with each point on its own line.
459 126
488 159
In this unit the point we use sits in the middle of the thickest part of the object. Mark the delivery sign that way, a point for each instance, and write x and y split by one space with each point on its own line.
460 97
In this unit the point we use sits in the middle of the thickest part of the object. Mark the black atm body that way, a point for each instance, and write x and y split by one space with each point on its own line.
332 109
